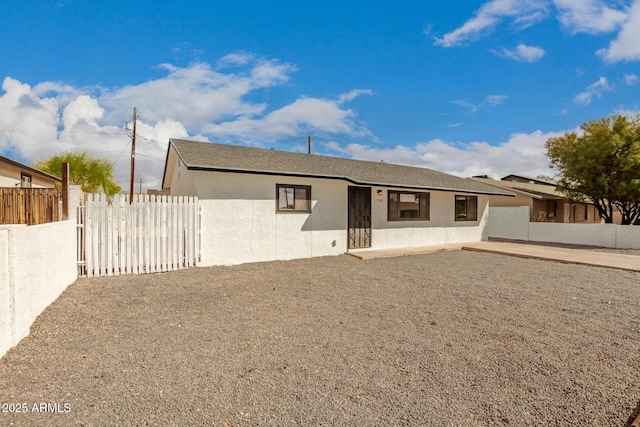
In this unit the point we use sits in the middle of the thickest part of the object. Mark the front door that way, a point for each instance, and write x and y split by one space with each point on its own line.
359 217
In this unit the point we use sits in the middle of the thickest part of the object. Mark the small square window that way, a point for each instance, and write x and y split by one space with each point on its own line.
293 198
25 180
466 208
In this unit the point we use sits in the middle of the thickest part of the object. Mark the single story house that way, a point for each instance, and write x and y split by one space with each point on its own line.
260 204
545 202
14 174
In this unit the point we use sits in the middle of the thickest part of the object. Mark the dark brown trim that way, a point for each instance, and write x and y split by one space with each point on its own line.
467 197
294 186
428 218
359 229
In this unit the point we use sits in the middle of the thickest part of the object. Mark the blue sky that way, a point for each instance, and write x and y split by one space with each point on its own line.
465 87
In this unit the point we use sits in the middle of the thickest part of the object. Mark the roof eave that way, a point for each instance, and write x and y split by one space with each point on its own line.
346 178
32 170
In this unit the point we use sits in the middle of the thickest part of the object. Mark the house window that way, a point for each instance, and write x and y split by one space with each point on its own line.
403 206
552 208
293 198
25 180
466 208
580 212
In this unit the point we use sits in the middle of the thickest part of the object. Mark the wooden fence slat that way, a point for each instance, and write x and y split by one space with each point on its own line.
30 206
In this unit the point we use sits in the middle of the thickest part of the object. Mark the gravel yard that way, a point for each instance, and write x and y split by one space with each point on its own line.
444 339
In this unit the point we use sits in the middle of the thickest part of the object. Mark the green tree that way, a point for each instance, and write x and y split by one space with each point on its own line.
90 173
601 165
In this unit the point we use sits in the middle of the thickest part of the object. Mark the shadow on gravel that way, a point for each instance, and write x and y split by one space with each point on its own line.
634 419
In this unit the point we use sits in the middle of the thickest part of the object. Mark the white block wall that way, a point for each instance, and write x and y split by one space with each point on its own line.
37 263
513 223
628 236
578 234
6 335
509 222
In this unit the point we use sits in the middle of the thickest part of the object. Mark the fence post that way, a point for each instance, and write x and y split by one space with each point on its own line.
65 191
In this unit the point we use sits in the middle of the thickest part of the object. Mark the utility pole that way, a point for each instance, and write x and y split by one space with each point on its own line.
133 155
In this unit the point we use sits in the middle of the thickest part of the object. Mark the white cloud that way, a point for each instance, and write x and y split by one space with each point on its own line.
596 89
589 16
28 123
493 100
489 101
490 15
351 95
523 154
575 16
522 53
471 108
195 102
626 46
234 59
299 118
631 79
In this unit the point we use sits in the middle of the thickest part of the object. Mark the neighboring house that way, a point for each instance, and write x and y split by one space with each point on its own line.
545 203
14 174
261 204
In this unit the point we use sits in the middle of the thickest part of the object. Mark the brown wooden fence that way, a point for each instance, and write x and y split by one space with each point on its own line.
29 205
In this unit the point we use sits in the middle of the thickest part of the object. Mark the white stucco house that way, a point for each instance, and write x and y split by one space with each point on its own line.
260 205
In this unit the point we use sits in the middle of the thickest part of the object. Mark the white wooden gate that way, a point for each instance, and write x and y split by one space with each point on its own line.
153 234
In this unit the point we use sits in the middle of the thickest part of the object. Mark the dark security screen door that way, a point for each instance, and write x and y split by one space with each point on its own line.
359 217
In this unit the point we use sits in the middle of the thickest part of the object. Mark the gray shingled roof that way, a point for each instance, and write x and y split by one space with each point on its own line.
231 158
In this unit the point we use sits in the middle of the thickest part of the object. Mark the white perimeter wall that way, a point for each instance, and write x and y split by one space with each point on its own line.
509 222
240 223
513 223
37 263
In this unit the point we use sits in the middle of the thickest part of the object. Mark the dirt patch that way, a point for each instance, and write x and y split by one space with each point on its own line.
449 338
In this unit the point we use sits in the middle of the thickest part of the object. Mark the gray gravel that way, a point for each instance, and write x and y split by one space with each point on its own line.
445 339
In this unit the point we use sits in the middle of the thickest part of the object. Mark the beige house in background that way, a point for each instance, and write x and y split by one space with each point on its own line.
545 203
14 174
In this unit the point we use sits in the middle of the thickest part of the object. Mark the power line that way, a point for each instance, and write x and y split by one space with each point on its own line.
64 130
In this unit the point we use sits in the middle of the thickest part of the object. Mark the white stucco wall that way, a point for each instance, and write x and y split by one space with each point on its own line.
240 223
441 228
38 264
6 340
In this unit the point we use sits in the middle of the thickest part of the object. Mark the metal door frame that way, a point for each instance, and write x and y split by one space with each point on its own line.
363 191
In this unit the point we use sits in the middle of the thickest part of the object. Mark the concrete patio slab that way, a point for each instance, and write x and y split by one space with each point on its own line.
567 255
365 254
573 256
